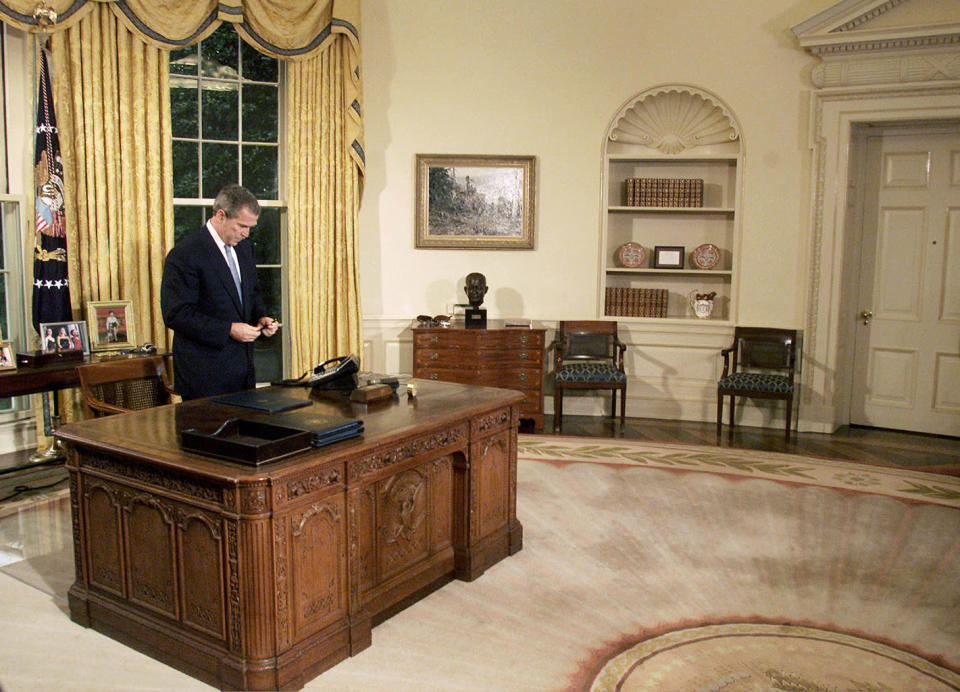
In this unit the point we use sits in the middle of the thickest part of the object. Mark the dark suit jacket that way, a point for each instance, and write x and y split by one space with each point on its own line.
199 301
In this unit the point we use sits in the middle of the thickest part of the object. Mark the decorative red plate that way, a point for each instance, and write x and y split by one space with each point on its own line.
631 255
706 256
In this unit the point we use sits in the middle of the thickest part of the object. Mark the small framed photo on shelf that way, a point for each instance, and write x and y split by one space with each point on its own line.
668 257
57 337
112 324
7 359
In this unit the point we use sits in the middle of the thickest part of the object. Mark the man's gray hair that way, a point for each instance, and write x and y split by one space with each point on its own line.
232 198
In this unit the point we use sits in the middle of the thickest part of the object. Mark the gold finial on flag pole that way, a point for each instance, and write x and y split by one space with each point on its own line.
46 16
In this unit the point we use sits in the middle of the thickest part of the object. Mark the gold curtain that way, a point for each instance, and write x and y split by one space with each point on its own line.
286 29
112 99
323 192
111 86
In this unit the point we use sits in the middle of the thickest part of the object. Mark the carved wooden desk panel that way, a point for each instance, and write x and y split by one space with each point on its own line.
509 357
261 578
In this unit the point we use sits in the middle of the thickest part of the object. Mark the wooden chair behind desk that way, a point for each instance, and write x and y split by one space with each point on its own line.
124 385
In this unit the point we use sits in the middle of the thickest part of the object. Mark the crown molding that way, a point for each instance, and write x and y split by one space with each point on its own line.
844 28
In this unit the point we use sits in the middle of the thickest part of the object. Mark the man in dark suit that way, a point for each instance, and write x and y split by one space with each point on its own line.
214 316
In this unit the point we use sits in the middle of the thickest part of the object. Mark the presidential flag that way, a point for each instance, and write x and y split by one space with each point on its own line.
51 288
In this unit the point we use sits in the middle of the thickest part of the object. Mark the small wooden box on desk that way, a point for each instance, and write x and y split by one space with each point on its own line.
498 356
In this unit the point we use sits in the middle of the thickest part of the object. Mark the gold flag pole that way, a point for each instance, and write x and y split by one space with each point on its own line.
46 17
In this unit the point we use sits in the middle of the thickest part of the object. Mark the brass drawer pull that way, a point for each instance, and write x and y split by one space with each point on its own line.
434 355
523 339
434 376
524 355
434 339
523 376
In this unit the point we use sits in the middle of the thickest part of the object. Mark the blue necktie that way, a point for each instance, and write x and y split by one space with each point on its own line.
232 263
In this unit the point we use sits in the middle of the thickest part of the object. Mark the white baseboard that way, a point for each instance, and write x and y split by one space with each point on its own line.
17 435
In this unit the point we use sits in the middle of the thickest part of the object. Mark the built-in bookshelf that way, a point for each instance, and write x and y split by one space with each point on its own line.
671 140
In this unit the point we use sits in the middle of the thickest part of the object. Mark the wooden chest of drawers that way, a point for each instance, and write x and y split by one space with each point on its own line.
506 357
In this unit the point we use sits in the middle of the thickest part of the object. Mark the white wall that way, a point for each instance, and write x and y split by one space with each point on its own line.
544 77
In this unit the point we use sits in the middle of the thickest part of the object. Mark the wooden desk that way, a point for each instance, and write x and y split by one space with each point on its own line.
261 578
510 357
50 378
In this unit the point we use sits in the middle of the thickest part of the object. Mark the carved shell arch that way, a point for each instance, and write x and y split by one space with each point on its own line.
673 118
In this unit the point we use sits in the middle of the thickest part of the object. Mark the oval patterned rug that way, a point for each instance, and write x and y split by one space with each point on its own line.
740 658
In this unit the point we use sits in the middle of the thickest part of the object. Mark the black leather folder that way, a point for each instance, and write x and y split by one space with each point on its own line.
324 429
267 399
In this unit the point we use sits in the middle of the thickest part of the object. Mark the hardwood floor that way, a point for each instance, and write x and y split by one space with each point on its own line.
867 445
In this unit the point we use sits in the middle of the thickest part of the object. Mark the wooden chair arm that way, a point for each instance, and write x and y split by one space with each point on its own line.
621 350
726 360
103 407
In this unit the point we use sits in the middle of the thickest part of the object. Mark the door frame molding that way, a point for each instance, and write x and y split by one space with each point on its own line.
834 114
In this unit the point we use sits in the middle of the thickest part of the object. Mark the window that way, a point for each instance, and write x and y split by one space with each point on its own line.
12 229
225 112
12 323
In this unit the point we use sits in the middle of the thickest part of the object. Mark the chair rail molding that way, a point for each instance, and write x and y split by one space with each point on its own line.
674 117
875 67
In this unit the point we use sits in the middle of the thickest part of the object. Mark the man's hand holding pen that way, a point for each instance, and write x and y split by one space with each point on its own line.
268 326
243 332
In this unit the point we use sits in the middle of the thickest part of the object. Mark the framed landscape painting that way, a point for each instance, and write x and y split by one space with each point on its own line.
475 202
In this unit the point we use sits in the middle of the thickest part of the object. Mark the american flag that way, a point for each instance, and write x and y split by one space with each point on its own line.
51 287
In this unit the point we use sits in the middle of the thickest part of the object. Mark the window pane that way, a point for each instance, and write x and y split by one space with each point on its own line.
266 236
185 166
183 109
268 352
260 171
259 113
268 358
270 290
183 61
258 67
220 53
186 220
220 106
220 166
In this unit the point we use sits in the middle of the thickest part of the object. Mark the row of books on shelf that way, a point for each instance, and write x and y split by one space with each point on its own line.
663 192
635 302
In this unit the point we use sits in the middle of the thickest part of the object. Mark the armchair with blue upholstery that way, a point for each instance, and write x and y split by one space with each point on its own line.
762 364
588 355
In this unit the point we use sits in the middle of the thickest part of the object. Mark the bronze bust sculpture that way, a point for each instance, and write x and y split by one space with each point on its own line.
476 288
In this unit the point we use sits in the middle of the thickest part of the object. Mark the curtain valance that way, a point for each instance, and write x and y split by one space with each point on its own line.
285 29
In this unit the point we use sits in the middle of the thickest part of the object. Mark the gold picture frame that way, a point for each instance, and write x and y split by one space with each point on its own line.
111 324
475 201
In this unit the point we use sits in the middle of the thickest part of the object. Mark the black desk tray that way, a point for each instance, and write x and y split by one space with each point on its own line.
247 442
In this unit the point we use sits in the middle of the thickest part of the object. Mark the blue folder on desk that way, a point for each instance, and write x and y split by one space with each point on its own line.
325 429
266 399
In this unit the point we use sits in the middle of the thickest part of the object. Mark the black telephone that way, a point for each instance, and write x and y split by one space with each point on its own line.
336 373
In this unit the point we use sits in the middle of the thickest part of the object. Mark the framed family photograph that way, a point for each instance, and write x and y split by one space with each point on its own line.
475 202
57 337
111 322
7 360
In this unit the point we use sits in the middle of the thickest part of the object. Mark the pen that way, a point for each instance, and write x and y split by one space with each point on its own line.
274 323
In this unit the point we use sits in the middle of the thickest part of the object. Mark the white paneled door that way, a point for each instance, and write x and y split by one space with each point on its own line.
907 360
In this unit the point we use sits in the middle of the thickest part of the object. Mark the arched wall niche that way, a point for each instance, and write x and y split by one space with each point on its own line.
672 119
